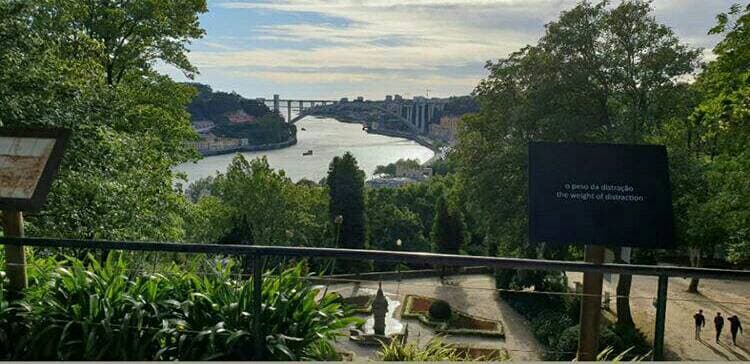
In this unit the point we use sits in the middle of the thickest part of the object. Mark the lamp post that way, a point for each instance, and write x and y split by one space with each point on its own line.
398 265
338 220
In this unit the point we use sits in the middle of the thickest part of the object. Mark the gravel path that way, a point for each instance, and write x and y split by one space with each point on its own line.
727 297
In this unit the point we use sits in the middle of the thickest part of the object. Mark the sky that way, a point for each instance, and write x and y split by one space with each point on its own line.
328 49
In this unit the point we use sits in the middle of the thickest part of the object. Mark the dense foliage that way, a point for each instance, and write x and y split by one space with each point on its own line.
440 310
600 73
448 229
129 124
710 148
346 184
460 105
253 204
86 310
214 105
554 322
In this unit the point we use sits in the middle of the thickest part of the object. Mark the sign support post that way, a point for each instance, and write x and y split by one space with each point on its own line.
15 256
29 159
602 194
661 317
591 306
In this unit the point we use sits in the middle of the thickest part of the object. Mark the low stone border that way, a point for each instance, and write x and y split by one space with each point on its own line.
444 326
360 308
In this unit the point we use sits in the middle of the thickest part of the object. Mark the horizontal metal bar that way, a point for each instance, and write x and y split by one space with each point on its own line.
386 256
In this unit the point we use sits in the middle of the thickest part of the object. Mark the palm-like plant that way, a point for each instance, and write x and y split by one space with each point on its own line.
216 321
435 350
93 311
97 312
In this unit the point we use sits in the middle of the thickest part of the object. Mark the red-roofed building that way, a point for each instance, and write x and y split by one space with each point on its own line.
240 117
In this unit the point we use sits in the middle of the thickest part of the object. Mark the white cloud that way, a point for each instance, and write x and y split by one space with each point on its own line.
377 44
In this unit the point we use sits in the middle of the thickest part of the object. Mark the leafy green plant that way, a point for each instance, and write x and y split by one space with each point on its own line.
435 350
9 325
216 321
96 312
607 355
103 311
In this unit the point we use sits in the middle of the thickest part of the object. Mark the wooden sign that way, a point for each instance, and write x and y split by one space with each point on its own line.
29 159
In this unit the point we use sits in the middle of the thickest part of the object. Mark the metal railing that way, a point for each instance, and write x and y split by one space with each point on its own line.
256 253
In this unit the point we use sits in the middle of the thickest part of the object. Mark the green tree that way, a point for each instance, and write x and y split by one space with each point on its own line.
448 229
724 116
599 74
254 204
388 223
709 150
130 35
116 180
345 183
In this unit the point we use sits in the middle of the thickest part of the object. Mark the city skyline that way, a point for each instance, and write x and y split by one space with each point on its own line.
345 48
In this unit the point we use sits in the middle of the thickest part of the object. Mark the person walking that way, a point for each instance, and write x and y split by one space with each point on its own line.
719 324
734 326
700 322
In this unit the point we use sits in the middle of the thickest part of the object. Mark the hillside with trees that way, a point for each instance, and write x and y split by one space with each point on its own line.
257 122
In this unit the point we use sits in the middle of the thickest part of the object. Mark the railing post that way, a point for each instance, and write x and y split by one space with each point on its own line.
591 306
661 317
15 255
257 308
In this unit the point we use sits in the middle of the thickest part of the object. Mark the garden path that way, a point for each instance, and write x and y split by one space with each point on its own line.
727 297
473 294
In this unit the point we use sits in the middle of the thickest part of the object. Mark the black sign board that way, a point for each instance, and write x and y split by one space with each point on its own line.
600 194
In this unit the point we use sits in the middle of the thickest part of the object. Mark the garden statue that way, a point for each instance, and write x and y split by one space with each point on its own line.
379 309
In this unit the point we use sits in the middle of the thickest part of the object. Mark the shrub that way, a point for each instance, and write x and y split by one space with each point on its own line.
548 325
573 308
440 310
92 311
11 328
566 345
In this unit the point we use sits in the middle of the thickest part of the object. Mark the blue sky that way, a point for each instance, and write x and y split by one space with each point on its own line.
336 48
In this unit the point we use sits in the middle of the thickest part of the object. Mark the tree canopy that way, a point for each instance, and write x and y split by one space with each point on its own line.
600 73
346 183
88 67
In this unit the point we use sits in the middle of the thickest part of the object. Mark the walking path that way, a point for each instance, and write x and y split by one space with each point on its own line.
727 297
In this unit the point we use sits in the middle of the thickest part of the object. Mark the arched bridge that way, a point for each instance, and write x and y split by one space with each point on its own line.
299 105
416 113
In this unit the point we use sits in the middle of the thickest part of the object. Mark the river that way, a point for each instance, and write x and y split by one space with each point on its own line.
327 138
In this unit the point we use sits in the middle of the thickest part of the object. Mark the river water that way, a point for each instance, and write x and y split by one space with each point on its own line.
327 138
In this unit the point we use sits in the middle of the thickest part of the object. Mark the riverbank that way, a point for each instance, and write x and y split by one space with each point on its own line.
327 138
419 139
249 148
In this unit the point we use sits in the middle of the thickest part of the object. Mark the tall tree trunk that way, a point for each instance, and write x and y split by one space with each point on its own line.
695 261
624 282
